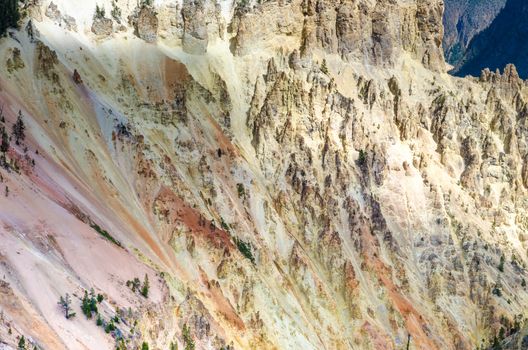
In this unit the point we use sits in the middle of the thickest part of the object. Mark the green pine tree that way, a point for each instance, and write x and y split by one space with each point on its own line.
145 287
4 144
501 263
22 343
19 129
187 338
85 305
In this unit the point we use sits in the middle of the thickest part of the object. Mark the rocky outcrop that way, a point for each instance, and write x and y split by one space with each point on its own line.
354 30
69 23
102 27
146 24
195 34
53 13
46 61
202 22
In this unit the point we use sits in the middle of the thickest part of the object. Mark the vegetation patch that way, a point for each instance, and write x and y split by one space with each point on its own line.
135 285
187 338
105 234
245 249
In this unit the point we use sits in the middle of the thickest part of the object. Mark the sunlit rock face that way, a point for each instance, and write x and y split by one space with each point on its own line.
286 175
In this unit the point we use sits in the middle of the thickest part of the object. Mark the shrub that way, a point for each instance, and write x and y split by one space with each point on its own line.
225 226
22 343
4 144
110 327
501 264
65 304
89 304
146 3
362 159
116 12
187 338
497 291
19 129
100 12
105 234
241 191
145 287
324 67
245 249
133 284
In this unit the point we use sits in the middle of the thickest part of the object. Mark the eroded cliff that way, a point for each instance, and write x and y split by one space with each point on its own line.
289 174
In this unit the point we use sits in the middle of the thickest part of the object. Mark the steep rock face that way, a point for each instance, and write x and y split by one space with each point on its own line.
147 24
356 30
102 27
202 22
280 185
463 19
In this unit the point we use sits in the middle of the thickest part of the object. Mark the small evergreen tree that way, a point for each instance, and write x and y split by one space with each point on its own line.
501 263
144 346
187 338
65 304
497 290
30 31
93 301
85 305
146 3
110 327
100 12
121 345
495 344
145 287
134 284
116 12
89 304
4 143
19 129
362 159
245 249
324 67
22 343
